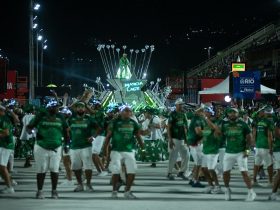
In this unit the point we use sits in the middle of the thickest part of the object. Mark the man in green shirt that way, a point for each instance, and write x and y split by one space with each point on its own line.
210 151
237 135
122 132
177 137
195 136
220 117
276 155
66 158
6 149
83 130
51 130
263 137
97 144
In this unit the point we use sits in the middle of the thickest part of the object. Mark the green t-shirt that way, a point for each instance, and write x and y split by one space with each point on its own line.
221 139
51 130
6 142
81 129
210 142
99 117
235 135
178 122
193 138
276 142
262 125
123 134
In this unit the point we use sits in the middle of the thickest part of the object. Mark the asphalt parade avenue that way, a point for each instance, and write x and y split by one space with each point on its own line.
151 187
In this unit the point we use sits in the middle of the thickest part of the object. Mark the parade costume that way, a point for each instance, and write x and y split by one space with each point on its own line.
52 129
6 149
178 124
237 135
263 129
123 133
83 129
153 139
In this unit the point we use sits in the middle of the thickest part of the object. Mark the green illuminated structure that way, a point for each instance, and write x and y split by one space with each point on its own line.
128 78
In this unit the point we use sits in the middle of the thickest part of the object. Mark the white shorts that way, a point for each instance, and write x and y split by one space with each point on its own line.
97 144
118 157
47 159
196 153
81 159
210 161
231 159
5 156
262 156
276 157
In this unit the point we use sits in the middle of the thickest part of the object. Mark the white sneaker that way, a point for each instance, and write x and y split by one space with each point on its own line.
103 173
14 183
208 189
251 196
227 194
54 194
188 174
129 195
67 183
114 194
217 190
40 195
7 190
79 188
89 188
273 197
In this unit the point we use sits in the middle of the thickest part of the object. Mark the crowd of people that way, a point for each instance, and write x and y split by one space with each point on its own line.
112 139
222 67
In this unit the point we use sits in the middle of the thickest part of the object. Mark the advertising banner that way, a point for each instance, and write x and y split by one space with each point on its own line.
238 67
246 84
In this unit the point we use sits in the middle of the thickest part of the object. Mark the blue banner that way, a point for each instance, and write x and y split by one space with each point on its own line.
246 84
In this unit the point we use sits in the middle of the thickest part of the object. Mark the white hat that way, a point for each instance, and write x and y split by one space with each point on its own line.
179 101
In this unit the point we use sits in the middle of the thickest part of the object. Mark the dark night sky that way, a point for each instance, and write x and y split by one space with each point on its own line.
179 29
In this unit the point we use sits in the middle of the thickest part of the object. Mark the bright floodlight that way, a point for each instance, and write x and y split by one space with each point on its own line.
37 6
35 25
227 99
40 37
144 75
45 47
